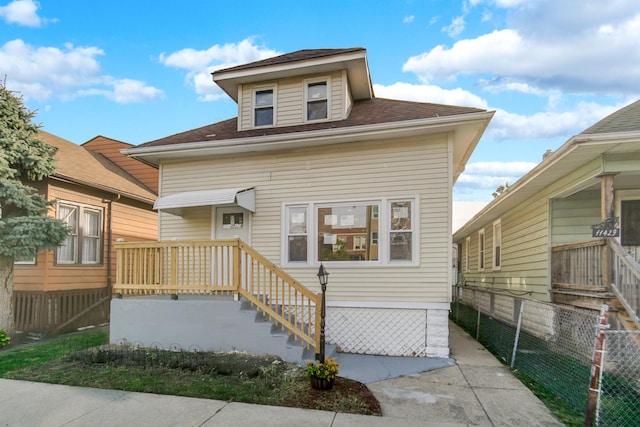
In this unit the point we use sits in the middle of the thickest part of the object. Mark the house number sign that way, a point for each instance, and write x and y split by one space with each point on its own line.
607 228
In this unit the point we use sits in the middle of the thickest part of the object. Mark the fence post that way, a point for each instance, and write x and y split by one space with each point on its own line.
478 325
457 304
596 367
517 338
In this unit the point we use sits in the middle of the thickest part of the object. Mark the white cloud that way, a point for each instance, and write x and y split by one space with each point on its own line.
480 179
547 124
408 19
43 73
506 169
455 28
22 12
592 49
429 93
199 64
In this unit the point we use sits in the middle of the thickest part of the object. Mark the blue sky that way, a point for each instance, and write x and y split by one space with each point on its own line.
140 70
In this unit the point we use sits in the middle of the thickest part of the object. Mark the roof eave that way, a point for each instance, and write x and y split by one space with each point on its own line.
354 62
477 122
115 191
538 176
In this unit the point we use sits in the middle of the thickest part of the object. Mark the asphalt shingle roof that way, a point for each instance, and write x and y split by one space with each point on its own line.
365 112
626 119
80 165
299 55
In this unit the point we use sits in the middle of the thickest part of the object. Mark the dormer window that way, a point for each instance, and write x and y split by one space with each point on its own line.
317 100
263 108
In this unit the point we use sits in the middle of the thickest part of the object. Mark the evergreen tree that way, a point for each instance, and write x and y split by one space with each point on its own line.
24 225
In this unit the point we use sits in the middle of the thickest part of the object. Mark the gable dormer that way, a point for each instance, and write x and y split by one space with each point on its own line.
307 86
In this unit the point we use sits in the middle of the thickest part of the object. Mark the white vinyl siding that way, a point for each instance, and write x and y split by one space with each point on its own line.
290 98
404 169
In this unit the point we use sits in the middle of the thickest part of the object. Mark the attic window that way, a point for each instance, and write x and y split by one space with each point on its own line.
263 108
317 101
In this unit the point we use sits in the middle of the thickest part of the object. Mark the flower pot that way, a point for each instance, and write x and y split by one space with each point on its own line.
321 383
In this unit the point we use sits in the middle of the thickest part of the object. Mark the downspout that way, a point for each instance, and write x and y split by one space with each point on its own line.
109 240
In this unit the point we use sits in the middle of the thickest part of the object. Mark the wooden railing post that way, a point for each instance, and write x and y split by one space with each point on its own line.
173 276
607 211
119 266
237 268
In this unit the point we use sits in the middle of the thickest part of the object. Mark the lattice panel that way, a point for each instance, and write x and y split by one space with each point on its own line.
389 332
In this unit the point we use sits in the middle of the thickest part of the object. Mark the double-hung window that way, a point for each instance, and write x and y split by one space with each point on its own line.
317 101
263 107
497 244
401 232
83 244
297 233
481 250
467 254
372 232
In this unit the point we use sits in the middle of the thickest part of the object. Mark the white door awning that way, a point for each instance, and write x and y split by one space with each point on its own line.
174 203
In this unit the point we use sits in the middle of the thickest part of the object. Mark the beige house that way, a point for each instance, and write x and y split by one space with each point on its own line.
569 230
316 169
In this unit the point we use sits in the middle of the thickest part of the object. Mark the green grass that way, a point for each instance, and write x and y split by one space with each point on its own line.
84 360
37 353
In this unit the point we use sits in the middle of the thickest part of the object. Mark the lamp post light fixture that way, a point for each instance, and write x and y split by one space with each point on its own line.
323 278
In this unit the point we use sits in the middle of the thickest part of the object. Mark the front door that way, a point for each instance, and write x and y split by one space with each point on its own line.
232 223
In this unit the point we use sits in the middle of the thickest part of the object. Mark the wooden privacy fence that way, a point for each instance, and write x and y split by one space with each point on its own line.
209 267
58 311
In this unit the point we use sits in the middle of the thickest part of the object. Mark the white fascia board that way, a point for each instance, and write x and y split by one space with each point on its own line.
289 68
501 204
310 138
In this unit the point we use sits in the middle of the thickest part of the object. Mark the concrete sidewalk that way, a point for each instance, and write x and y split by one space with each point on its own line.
477 390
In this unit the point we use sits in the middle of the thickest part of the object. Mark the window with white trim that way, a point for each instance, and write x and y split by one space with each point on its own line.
400 232
467 254
497 244
263 107
342 231
317 100
481 250
356 232
359 243
84 242
297 234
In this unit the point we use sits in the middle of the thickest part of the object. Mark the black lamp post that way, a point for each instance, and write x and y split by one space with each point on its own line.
323 278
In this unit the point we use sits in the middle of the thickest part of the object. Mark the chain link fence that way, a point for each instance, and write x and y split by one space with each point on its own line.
554 345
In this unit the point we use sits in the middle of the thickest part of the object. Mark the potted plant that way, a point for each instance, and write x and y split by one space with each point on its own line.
323 374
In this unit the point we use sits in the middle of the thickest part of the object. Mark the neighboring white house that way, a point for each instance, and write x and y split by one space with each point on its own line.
316 169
